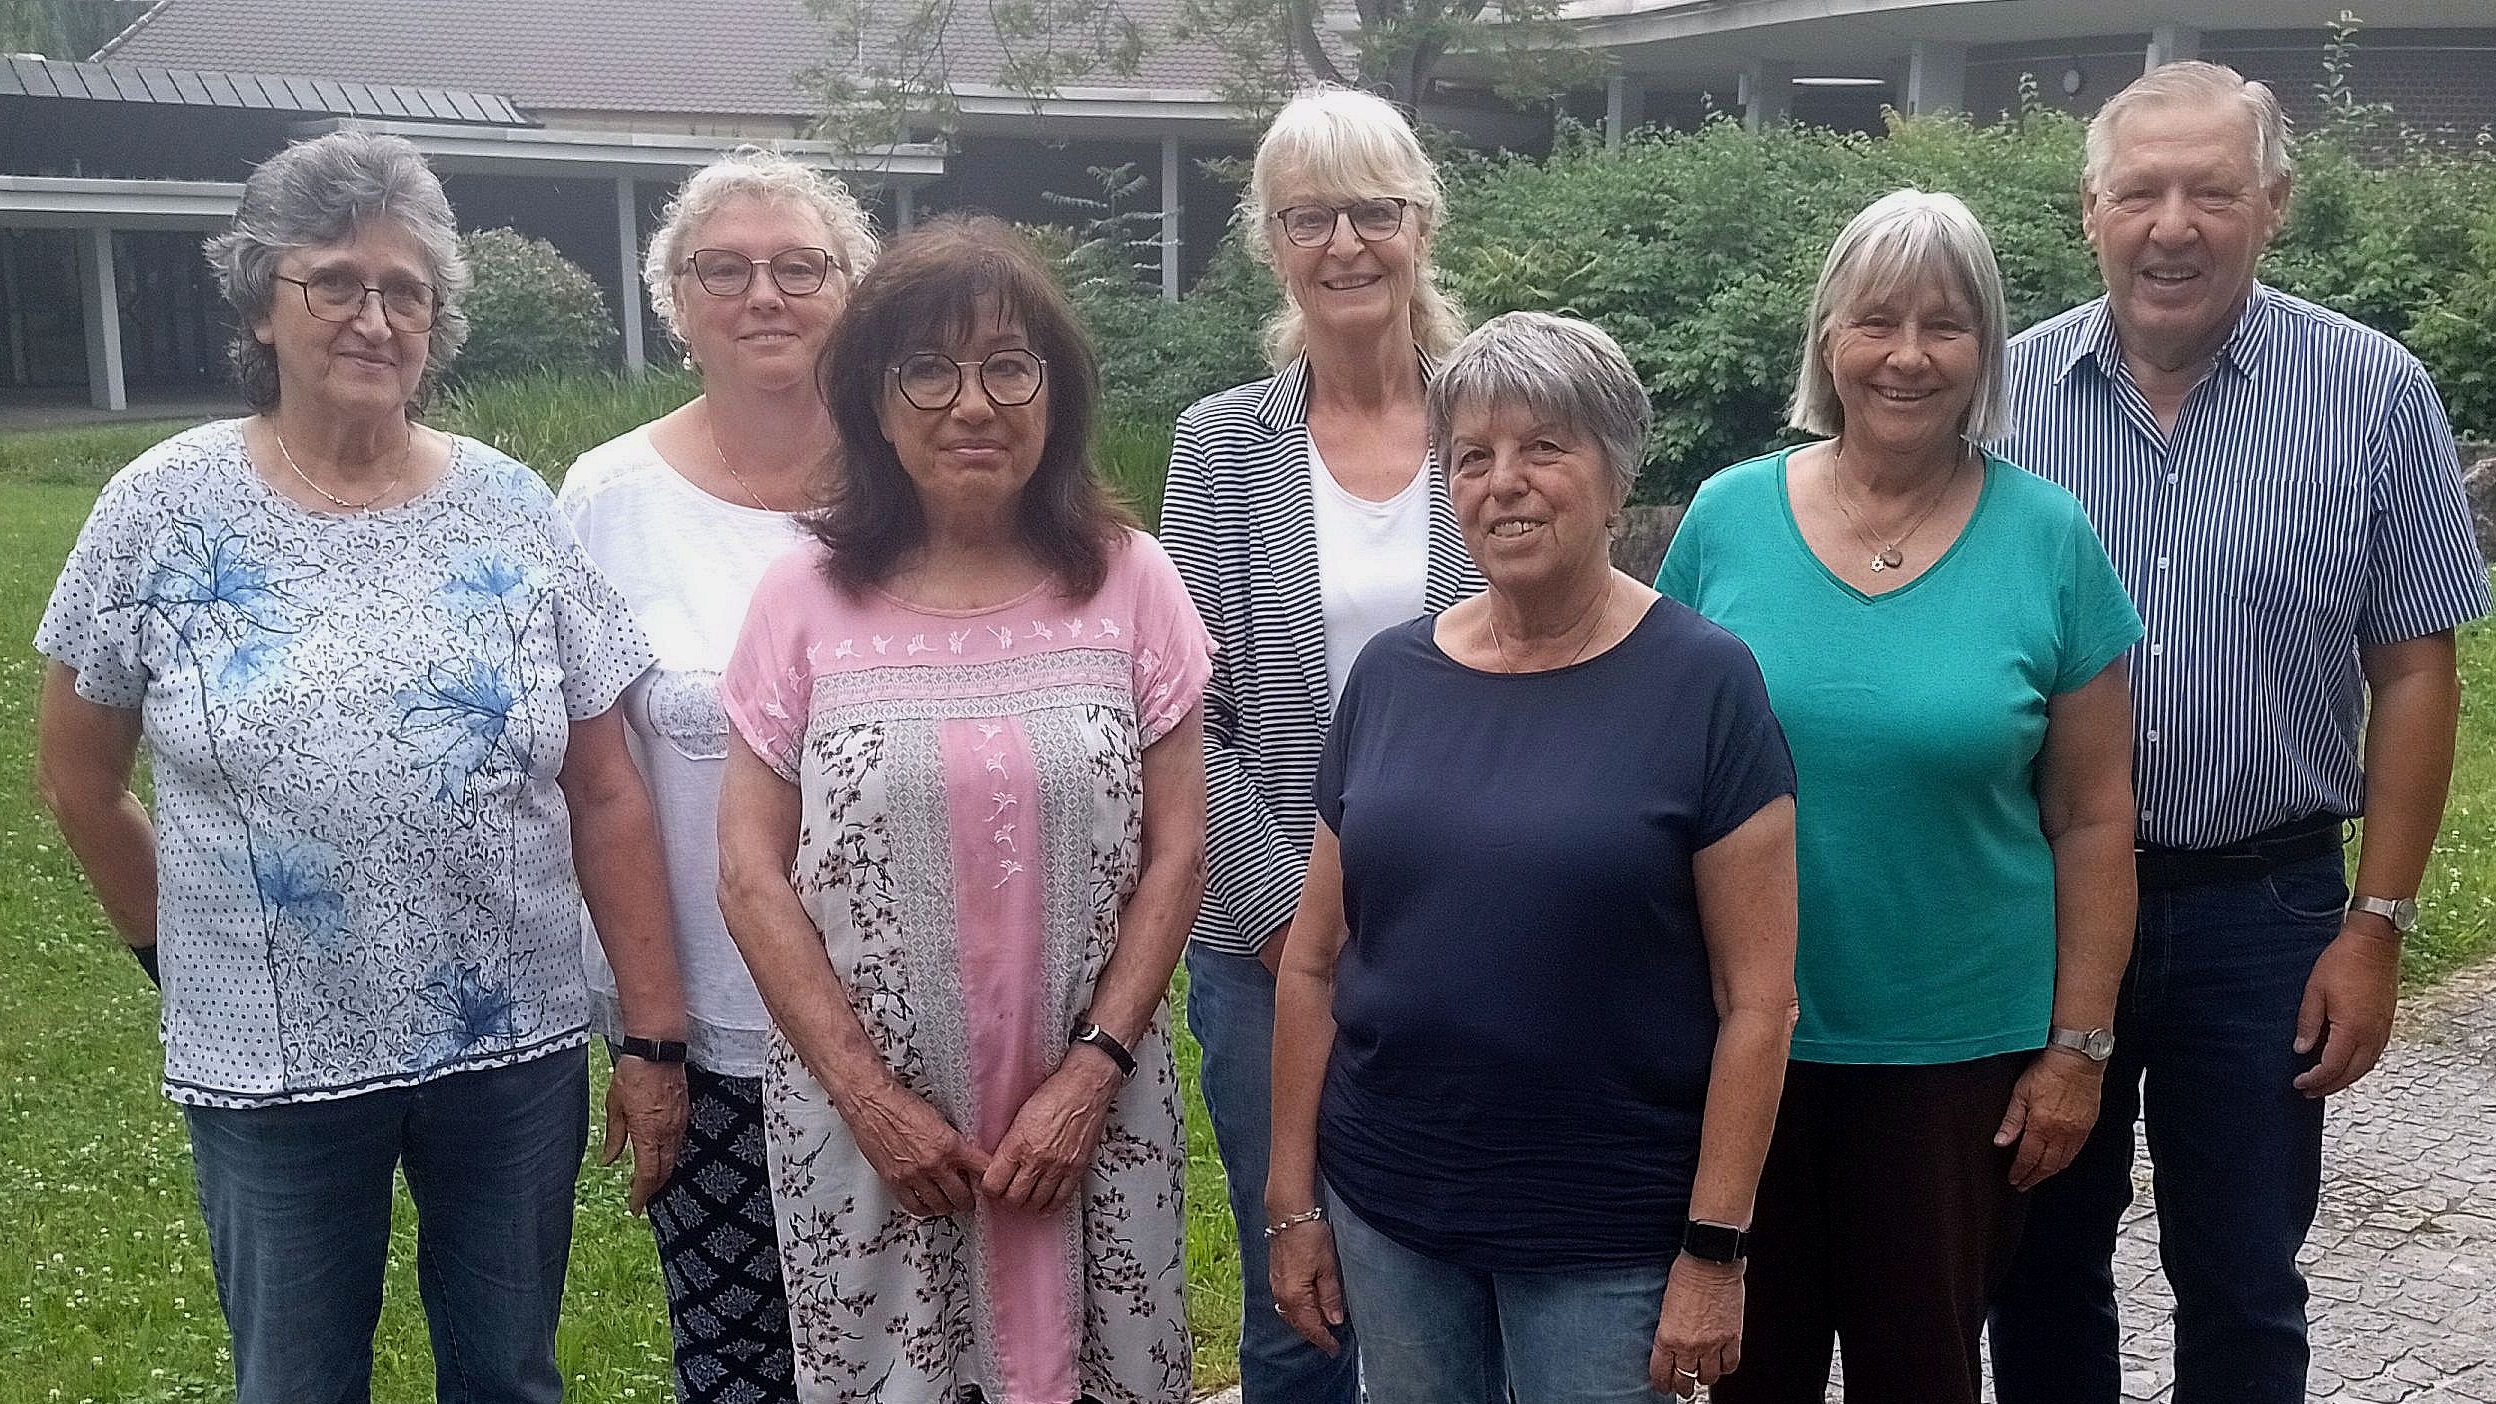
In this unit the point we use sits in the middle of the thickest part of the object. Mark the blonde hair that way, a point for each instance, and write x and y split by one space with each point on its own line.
752 173
2191 84
1336 143
1896 240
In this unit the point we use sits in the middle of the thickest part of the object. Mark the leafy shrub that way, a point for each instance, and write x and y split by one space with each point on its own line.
530 309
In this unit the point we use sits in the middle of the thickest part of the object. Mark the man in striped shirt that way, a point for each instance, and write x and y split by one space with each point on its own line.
2279 489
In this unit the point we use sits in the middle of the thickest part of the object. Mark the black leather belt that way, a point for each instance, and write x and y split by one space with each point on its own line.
2246 860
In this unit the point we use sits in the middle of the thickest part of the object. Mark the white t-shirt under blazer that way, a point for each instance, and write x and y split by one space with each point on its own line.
1372 562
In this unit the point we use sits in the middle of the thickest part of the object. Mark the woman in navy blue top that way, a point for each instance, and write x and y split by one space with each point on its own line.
1534 1004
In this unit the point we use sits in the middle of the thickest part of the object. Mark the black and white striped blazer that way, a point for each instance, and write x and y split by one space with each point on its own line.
1239 519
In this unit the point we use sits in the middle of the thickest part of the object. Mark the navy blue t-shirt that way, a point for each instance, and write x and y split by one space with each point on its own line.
1523 1015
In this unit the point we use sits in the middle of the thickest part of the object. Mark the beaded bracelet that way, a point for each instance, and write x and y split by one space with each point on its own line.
1314 1214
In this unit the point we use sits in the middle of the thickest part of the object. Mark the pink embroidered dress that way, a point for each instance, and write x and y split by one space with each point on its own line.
972 792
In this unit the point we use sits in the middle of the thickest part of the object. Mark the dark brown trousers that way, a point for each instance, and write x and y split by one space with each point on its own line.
1886 1218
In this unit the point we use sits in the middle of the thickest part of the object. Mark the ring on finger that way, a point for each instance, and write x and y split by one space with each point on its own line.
1685 1374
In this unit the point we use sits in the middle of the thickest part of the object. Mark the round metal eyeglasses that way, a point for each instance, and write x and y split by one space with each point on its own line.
1008 378
1373 221
798 272
339 297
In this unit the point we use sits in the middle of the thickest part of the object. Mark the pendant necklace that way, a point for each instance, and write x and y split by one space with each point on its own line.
1888 557
1596 609
359 508
710 426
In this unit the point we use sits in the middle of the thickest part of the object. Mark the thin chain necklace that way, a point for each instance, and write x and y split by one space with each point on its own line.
1596 609
1888 557
710 426
335 500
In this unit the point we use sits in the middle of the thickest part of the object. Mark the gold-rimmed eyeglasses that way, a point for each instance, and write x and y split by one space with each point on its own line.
1373 221
798 272
339 297
1008 378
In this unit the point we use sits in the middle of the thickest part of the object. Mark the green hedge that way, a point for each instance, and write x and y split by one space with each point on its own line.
530 310
1698 251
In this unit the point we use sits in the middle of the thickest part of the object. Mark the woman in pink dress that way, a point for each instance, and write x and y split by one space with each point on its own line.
961 857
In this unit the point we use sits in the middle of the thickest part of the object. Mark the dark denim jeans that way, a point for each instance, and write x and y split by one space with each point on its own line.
1230 1009
2204 1058
297 1199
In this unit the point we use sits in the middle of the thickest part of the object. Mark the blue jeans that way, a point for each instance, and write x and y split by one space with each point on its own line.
297 1199
1436 1333
1230 1009
2204 1057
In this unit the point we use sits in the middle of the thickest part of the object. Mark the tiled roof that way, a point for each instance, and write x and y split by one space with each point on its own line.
24 75
732 57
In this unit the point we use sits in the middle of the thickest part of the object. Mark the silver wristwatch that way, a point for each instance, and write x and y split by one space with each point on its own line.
2096 1045
2402 912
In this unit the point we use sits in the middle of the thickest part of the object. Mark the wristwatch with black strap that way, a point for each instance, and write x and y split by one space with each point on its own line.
651 1050
1714 1243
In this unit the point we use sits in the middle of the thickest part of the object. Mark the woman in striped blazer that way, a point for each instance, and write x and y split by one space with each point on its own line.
1303 513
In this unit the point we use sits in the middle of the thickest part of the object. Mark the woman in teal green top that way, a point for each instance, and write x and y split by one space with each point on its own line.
1942 638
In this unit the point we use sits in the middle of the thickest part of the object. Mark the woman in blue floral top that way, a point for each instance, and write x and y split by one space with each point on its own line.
376 679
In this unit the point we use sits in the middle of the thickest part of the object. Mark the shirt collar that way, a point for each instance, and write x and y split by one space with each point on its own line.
2242 351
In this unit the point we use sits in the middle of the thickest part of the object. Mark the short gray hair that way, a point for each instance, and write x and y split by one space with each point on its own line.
752 173
321 192
1892 243
2193 84
1340 143
1561 369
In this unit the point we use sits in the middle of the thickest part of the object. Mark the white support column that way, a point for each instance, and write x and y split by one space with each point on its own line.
105 388
1936 78
1766 93
2171 43
1624 108
905 208
629 300
1173 218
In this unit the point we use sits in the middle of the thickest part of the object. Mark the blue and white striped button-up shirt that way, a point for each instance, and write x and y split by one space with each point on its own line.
2308 502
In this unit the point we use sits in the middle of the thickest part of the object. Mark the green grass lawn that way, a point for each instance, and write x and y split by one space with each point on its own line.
105 1289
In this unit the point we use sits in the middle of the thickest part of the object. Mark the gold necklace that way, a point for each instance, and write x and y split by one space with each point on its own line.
1888 557
1596 609
335 500
710 427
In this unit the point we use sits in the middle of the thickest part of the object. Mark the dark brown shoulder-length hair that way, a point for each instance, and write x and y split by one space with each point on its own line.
929 292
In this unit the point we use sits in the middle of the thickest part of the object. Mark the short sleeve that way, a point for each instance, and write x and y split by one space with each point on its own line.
768 682
92 625
1173 654
1333 756
602 646
2099 621
2424 573
1748 765
1678 575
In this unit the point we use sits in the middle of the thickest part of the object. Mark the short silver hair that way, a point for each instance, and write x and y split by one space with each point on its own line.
2188 85
752 173
321 192
1343 144
1897 241
1568 372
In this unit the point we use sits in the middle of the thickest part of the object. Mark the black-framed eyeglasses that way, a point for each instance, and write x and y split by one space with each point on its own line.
1008 378
1373 221
799 272
339 297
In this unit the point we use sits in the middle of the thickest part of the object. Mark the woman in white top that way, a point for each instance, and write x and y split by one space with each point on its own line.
1302 514
750 268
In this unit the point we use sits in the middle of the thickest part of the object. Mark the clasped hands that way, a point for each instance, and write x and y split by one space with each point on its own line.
933 1169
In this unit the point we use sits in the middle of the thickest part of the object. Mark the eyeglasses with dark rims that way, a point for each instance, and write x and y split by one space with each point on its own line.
335 296
1008 378
798 272
1374 221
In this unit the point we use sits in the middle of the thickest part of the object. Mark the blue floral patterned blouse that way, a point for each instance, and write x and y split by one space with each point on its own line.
355 726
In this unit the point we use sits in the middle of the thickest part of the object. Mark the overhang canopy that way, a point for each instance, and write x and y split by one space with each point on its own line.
560 152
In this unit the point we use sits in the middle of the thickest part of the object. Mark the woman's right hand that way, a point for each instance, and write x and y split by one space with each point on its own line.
1307 1286
930 1167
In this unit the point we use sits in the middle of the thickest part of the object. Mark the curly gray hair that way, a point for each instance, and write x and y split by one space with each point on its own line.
319 192
753 173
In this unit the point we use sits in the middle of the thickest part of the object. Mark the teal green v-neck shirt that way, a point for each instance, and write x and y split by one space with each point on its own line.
1916 720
